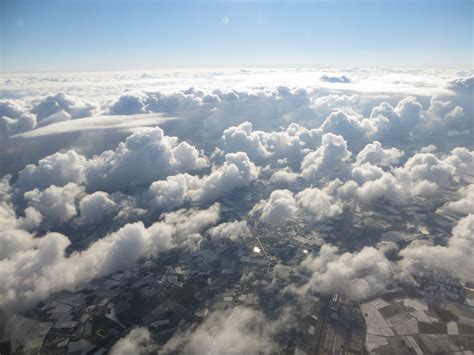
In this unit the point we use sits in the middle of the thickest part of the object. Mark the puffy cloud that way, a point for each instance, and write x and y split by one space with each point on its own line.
456 258
168 194
241 139
374 154
462 84
236 230
290 144
95 207
348 126
61 101
57 169
56 204
400 121
386 187
279 208
283 176
328 160
283 205
238 330
357 275
464 205
237 171
423 173
8 218
10 126
11 109
135 342
318 203
462 160
336 79
129 104
145 156
40 266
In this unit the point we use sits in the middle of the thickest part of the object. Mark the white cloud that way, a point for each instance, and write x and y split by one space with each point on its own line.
238 330
56 204
375 154
57 169
456 258
135 342
357 275
94 207
61 101
236 230
279 208
328 160
319 204
465 204
39 266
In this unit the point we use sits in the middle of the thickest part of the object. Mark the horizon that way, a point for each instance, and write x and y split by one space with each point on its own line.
85 36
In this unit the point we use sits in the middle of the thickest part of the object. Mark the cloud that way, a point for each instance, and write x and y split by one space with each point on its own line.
374 154
135 342
236 231
318 204
145 156
56 204
239 330
464 205
95 207
357 275
39 266
279 208
241 139
336 79
456 258
283 176
462 84
283 205
57 169
236 171
61 101
328 160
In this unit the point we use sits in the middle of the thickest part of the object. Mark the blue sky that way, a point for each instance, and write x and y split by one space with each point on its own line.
87 35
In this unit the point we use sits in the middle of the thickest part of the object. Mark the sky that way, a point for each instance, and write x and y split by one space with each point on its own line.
86 35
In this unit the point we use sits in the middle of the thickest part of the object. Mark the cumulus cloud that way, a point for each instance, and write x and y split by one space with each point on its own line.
375 154
145 156
289 144
95 207
319 204
283 176
56 204
464 205
283 205
237 171
39 266
328 160
336 79
456 258
462 84
63 102
236 230
239 330
57 169
279 208
135 342
357 275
